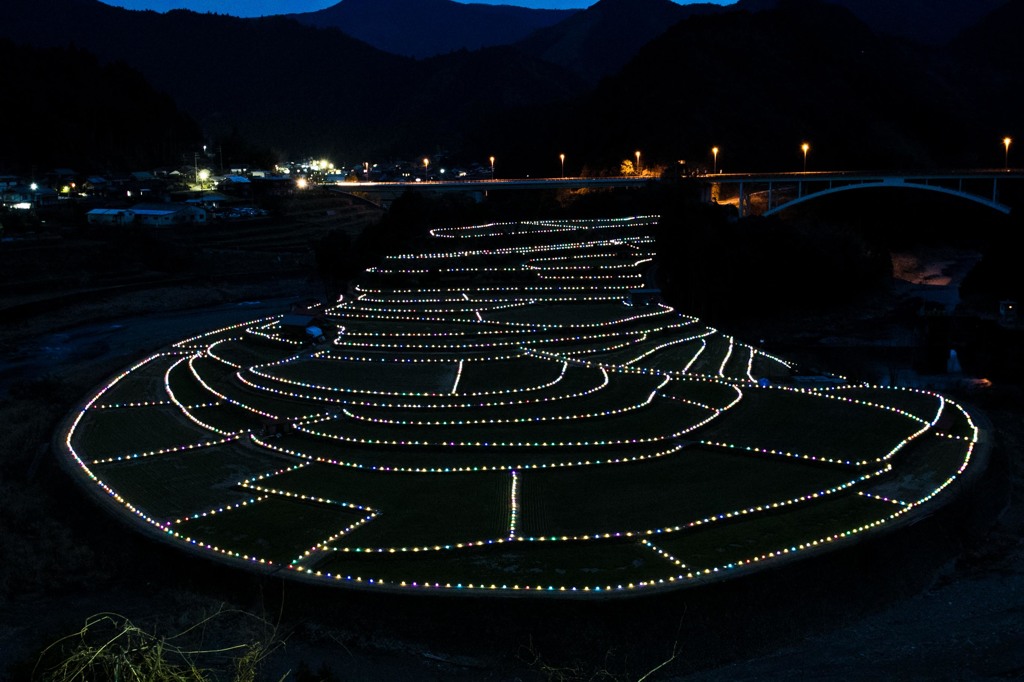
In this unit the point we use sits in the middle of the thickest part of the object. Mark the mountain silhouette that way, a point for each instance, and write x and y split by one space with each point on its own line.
601 39
754 83
425 28
759 84
297 89
73 111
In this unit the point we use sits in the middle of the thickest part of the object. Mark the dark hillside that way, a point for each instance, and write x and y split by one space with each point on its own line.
601 39
297 89
759 84
271 78
755 84
73 111
928 22
990 57
456 94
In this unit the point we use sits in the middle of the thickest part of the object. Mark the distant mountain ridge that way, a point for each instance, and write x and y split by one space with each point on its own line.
294 88
598 40
754 83
758 84
425 28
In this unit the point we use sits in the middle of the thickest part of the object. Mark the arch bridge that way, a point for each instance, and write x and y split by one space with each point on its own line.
769 193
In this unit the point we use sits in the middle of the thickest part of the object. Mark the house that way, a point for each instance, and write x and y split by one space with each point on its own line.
95 183
110 216
168 214
26 197
208 200
644 298
305 327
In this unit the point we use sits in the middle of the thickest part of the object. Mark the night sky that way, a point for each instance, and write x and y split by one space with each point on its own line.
256 8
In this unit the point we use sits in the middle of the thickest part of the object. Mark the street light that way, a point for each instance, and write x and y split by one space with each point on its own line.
492 168
638 162
714 153
426 165
806 147
561 157
1006 155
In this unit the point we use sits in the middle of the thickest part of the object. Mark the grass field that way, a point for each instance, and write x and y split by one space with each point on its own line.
491 431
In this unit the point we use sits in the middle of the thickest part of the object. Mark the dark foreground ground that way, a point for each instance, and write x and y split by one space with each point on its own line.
941 599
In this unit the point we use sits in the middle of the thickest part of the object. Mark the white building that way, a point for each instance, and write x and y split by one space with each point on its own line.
110 216
164 215
153 215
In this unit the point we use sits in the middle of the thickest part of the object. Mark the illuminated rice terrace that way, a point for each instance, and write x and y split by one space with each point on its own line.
508 414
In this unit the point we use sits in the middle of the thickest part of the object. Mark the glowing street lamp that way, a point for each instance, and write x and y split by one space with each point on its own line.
806 148
714 153
426 166
1006 155
638 162
561 157
492 168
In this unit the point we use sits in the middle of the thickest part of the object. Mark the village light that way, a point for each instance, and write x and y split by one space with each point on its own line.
1006 155
806 148
714 153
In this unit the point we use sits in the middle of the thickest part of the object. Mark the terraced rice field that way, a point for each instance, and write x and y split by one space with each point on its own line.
507 414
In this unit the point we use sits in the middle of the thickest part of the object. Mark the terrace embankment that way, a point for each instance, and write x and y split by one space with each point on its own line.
884 596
